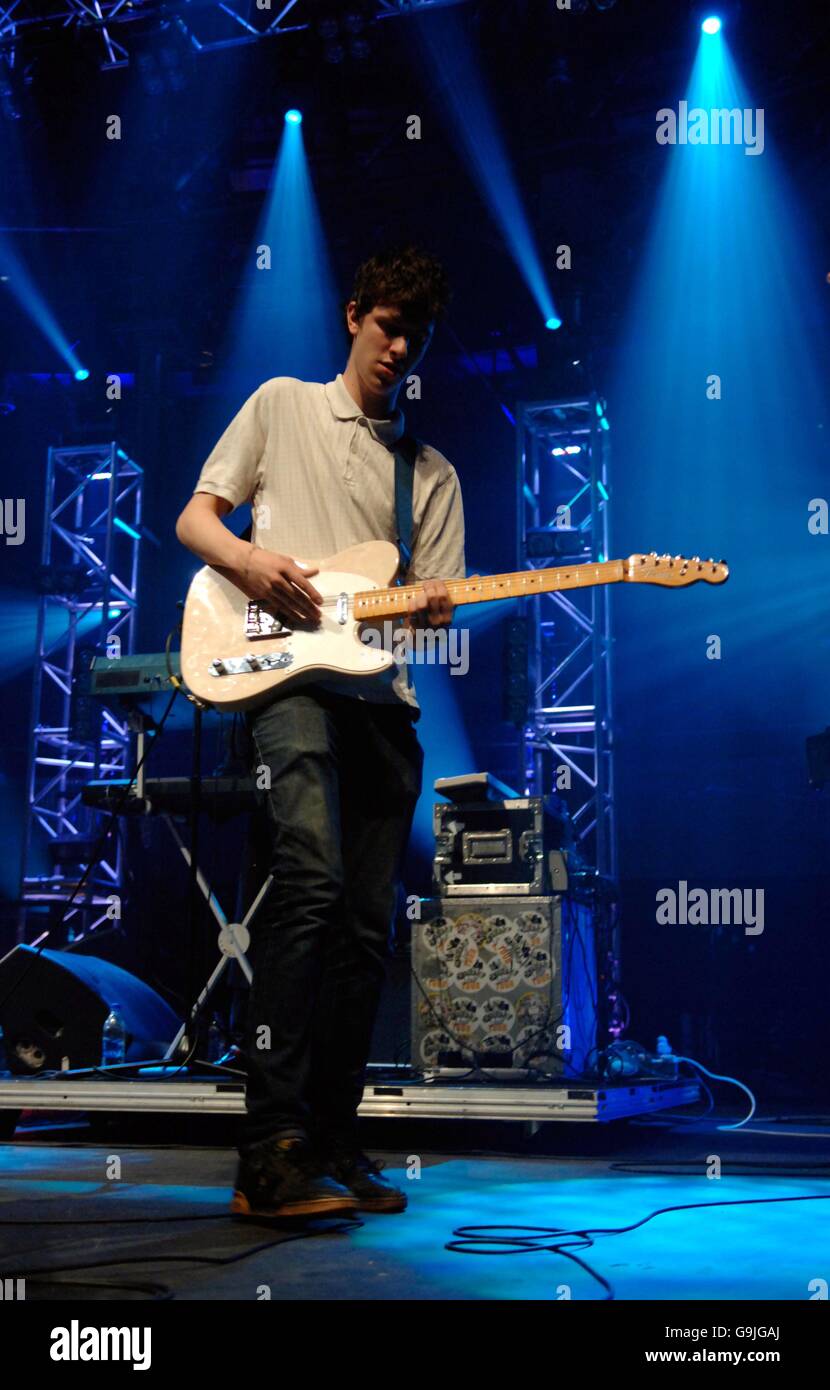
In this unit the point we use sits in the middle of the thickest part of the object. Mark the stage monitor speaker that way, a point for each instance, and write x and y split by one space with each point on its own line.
53 1005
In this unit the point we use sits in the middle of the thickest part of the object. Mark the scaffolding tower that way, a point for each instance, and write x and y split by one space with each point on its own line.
87 605
566 742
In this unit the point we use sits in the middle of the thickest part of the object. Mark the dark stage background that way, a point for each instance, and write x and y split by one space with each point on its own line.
140 249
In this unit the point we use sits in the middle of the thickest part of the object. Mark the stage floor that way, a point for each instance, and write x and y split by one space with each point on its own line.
162 1227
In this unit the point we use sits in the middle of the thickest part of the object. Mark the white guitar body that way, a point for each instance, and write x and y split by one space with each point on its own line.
214 631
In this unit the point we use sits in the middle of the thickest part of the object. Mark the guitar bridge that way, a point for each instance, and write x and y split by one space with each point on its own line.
254 661
260 623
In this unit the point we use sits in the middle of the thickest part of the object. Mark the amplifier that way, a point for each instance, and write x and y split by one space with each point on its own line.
504 983
514 846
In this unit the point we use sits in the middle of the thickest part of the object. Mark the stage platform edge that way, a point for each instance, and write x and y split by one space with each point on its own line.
386 1098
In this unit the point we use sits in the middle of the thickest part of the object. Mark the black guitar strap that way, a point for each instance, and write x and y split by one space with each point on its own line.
406 452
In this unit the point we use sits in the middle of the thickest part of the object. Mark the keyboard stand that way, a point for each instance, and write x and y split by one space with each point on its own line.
234 941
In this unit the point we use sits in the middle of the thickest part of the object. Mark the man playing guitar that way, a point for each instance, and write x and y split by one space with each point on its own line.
317 464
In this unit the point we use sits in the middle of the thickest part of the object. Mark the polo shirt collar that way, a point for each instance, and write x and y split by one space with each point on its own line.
344 408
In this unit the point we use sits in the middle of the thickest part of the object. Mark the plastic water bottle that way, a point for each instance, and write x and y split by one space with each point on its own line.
115 1038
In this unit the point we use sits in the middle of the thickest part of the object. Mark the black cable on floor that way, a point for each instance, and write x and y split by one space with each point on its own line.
119 1220
160 1293
44 1275
469 1239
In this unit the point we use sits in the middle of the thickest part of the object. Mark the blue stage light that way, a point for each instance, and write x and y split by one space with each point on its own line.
553 322
711 25
294 117
81 374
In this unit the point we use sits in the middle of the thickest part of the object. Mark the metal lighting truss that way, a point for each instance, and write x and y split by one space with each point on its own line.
205 24
88 579
562 461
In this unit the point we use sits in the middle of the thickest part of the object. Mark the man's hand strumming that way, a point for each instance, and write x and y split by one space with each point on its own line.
283 583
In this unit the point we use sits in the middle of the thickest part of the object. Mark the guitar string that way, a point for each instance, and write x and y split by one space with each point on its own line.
470 587
369 596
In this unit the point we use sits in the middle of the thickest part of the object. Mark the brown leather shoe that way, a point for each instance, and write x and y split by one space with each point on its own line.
364 1179
283 1177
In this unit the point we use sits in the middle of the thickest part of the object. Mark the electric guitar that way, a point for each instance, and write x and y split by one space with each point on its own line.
237 651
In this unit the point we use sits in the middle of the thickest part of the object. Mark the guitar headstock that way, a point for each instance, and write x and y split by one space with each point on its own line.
674 571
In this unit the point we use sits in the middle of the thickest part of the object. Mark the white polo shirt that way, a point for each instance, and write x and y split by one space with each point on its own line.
320 476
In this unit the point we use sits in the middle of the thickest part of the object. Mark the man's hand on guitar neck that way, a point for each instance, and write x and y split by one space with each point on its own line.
430 605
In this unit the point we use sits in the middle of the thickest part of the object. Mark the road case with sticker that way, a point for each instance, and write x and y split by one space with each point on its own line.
504 984
516 846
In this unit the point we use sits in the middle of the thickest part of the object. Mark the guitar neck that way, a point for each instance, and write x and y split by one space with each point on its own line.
387 603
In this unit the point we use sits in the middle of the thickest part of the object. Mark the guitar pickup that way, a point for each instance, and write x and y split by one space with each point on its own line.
260 623
245 665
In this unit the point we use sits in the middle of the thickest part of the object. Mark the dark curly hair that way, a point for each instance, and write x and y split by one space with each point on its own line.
404 276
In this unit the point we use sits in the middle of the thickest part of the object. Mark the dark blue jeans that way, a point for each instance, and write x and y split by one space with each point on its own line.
345 778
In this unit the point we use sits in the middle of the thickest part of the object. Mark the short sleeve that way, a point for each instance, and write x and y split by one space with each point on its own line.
438 552
232 468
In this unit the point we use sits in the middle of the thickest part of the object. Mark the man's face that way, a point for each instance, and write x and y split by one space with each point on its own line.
386 347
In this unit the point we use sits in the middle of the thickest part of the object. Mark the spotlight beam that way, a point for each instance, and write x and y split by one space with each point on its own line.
18 280
459 81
